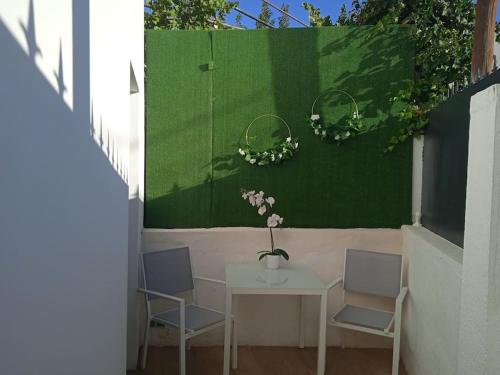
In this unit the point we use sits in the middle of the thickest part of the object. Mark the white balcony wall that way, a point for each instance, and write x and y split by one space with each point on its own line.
432 308
273 320
64 194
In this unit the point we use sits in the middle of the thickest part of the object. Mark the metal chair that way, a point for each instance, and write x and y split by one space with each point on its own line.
167 273
376 274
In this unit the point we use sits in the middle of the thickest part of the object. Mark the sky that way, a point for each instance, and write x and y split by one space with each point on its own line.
328 7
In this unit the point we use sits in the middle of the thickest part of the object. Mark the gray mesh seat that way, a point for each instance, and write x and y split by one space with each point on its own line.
376 274
166 274
197 318
364 317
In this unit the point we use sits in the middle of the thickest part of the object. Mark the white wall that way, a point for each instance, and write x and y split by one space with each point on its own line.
270 320
431 311
64 146
479 344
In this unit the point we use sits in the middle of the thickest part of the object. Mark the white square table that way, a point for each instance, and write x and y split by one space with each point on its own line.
293 279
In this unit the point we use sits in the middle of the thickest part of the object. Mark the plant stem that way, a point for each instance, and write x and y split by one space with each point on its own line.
272 239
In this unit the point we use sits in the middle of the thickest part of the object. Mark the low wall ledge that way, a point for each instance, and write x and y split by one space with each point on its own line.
443 246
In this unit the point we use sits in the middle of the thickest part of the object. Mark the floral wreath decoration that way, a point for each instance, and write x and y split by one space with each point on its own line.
274 155
338 132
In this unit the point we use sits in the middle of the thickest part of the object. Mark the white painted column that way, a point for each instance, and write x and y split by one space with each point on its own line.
418 162
479 344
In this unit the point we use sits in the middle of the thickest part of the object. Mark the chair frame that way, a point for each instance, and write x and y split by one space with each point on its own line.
184 336
395 322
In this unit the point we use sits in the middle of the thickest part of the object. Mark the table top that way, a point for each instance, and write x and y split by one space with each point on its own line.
255 277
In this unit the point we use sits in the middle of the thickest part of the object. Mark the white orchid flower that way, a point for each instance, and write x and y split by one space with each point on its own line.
251 200
241 151
280 156
274 220
259 199
337 137
289 139
316 131
314 117
253 161
273 158
347 134
270 201
244 196
262 210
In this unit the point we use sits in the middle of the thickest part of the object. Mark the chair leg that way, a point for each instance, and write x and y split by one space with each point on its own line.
395 358
235 346
182 353
145 345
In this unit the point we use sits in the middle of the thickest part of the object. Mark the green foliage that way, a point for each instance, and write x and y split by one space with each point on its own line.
265 15
315 17
238 21
443 37
284 20
179 14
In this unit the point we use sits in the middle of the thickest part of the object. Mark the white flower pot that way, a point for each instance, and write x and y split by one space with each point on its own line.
273 262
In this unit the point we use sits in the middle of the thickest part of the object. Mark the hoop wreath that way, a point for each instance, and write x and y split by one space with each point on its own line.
341 131
274 155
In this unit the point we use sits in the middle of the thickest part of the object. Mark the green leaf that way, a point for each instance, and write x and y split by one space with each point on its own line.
282 252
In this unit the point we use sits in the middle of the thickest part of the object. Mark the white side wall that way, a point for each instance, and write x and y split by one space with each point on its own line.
431 311
64 196
270 320
479 344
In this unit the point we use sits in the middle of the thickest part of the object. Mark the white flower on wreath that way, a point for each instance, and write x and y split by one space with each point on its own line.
348 134
289 139
296 145
253 161
314 117
337 137
241 151
262 210
280 156
274 220
316 131
273 158
323 133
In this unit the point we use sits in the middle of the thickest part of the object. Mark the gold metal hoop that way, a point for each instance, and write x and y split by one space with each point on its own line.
340 91
266 115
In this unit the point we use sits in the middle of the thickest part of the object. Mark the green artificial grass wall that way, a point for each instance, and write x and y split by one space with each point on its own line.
205 87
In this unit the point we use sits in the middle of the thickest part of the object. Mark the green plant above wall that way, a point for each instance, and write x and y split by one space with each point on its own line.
205 87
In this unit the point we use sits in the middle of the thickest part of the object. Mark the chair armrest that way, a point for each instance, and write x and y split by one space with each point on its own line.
401 297
161 295
215 281
334 283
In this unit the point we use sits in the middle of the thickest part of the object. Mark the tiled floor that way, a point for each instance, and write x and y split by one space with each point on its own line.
272 361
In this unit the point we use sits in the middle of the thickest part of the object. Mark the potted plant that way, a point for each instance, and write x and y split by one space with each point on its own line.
264 206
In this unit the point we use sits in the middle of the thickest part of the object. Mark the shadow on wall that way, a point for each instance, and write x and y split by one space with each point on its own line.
61 200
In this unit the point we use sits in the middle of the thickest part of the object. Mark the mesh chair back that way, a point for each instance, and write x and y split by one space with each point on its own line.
372 273
168 271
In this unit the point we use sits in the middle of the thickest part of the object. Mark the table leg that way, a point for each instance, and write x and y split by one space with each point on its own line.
322 335
301 321
235 334
227 330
